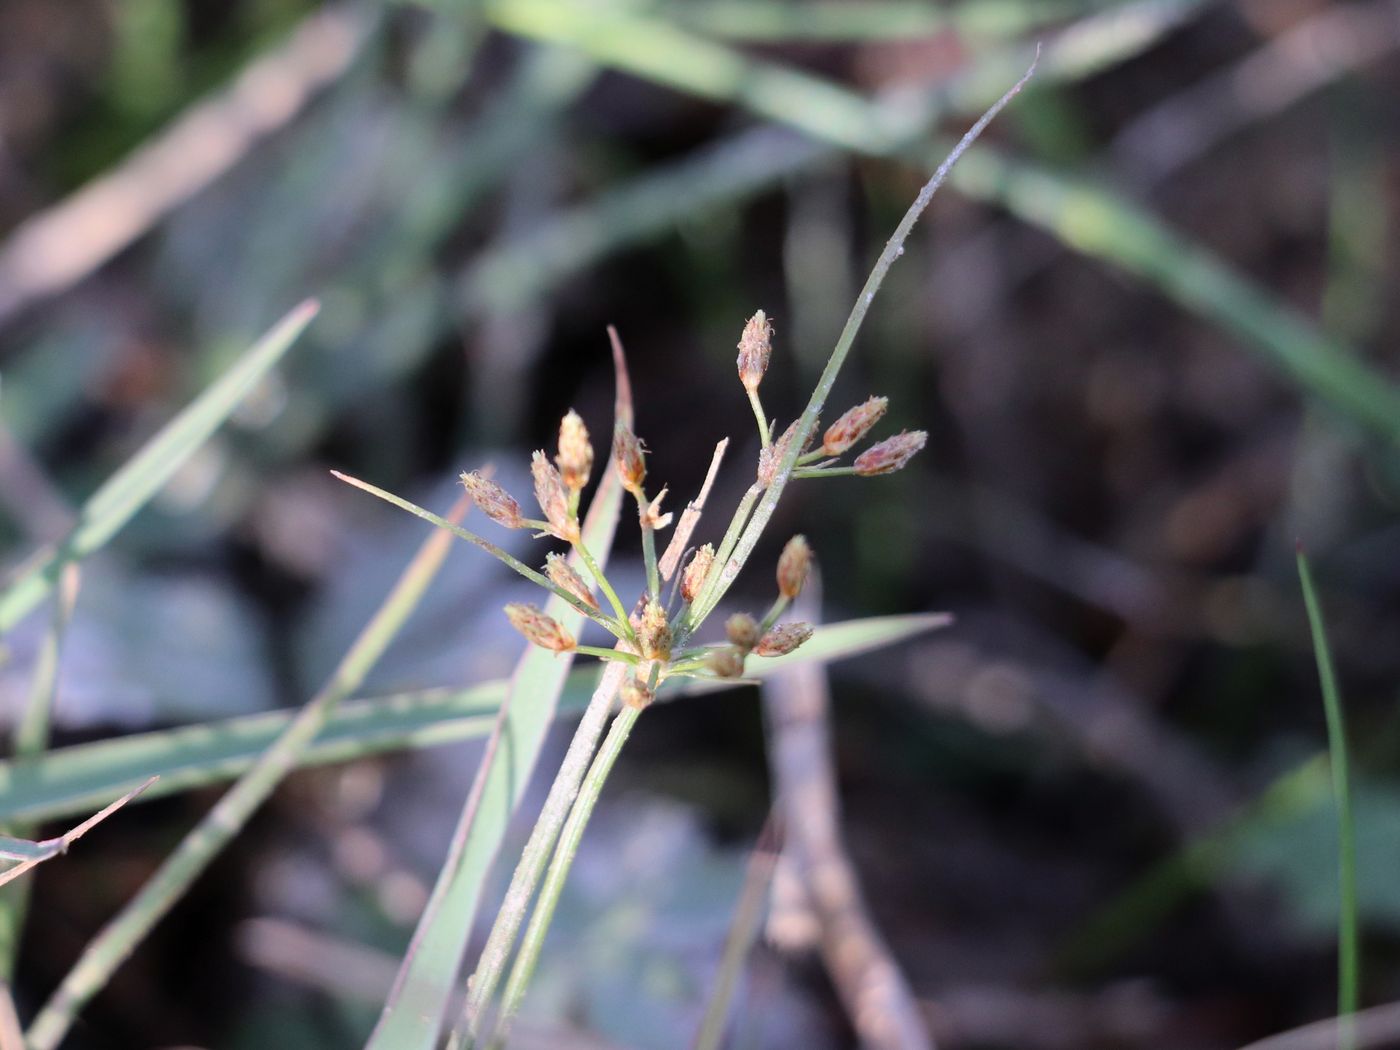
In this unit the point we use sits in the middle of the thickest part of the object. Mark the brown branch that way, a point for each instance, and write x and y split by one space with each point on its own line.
877 998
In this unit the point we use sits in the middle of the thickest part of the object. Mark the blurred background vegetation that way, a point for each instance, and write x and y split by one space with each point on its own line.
1150 329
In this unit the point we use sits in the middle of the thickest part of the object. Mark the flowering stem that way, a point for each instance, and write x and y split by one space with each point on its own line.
763 434
608 654
824 472
619 629
491 966
813 456
648 546
608 592
564 854
777 610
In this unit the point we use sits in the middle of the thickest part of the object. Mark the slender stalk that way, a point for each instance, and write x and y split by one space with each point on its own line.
564 854
648 546
562 793
778 608
608 654
824 472
1348 924
607 588
615 629
757 406
726 570
196 850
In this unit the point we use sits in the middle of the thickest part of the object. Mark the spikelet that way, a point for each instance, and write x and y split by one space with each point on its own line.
538 628
654 633
755 347
727 662
575 457
553 498
853 426
696 571
563 576
629 459
783 639
772 456
891 454
742 630
493 501
793 566
634 693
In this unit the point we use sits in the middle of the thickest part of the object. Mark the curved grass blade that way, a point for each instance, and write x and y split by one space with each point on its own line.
142 476
29 853
196 850
1348 924
72 780
418 1002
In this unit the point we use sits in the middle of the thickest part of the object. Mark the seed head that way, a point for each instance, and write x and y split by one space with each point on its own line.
654 633
891 454
755 346
725 663
793 565
538 628
742 630
495 502
783 639
564 577
634 693
553 498
629 458
695 572
575 457
853 426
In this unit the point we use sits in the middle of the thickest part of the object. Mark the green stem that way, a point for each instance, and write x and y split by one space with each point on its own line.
778 608
763 434
728 569
648 547
564 854
824 472
490 968
608 654
1348 924
607 588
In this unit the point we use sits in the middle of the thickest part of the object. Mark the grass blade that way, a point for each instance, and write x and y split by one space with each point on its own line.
30 853
1348 926
141 477
197 849
418 1002
73 780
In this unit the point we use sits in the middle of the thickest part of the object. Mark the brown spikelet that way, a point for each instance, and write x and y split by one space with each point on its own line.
563 576
742 630
783 639
772 456
538 628
634 693
575 457
853 426
553 498
891 454
493 501
755 347
793 566
654 633
629 458
696 571
725 663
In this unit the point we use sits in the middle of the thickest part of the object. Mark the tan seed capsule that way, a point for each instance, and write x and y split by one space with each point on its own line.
575 457
725 663
853 426
696 571
495 502
783 639
634 693
563 576
538 628
755 347
629 458
654 633
742 630
770 458
553 498
793 566
891 454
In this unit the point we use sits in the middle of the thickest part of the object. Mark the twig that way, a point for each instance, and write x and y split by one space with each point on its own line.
878 1000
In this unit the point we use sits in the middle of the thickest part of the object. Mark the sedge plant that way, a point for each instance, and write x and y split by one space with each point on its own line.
662 635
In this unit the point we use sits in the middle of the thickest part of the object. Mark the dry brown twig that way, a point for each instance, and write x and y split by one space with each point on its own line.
877 998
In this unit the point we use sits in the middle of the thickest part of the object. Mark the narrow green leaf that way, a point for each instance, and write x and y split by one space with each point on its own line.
30 853
1348 925
141 477
72 780
417 1006
221 824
